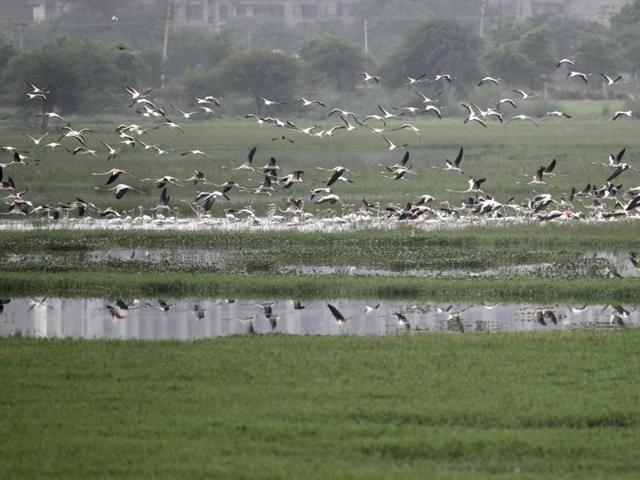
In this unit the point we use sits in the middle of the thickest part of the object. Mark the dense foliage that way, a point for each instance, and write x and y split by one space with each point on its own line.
406 38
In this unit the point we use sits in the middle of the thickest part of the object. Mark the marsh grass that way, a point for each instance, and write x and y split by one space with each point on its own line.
553 251
502 153
274 286
576 236
561 405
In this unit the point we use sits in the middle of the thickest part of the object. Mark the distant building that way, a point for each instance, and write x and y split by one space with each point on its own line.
599 11
29 11
213 14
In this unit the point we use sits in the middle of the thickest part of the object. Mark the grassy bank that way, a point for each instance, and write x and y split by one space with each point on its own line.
556 406
578 236
219 285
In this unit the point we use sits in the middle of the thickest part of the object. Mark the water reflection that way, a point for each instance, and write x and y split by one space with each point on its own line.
188 319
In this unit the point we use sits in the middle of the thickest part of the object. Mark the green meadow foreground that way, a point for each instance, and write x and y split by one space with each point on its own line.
555 406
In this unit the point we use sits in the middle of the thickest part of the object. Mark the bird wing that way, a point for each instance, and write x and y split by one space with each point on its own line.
334 178
549 168
459 157
615 173
606 77
252 152
336 313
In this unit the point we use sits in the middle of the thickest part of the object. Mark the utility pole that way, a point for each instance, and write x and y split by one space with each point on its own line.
483 8
366 37
170 13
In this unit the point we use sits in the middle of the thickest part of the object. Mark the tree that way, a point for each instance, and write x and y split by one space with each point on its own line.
437 47
560 35
629 15
511 65
626 28
78 73
261 73
598 53
192 49
333 59
7 51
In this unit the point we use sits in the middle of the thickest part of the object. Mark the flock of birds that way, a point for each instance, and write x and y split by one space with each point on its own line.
402 318
600 201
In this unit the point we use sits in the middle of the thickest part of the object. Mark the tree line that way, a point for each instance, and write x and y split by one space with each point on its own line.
86 74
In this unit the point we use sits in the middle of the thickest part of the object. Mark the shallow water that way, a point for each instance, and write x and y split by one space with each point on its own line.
89 318
327 222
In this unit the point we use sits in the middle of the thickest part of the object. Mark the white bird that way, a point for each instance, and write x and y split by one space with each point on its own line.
523 118
308 103
41 96
455 165
331 198
35 89
36 141
114 153
114 173
610 81
443 76
343 113
208 100
171 125
52 115
135 94
52 145
474 186
121 189
257 118
268 102
583 76
565 61
407 126
622 113
426 99
207 110
385 114
472 115
416 79
186 115
506 100
523 94
393 146
195 152
434 109
495 81
247 164
368 77
556 113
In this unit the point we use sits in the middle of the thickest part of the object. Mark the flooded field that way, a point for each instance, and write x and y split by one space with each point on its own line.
190 319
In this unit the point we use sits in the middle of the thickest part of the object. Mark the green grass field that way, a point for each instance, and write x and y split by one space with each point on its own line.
531 406
503 154
552 406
